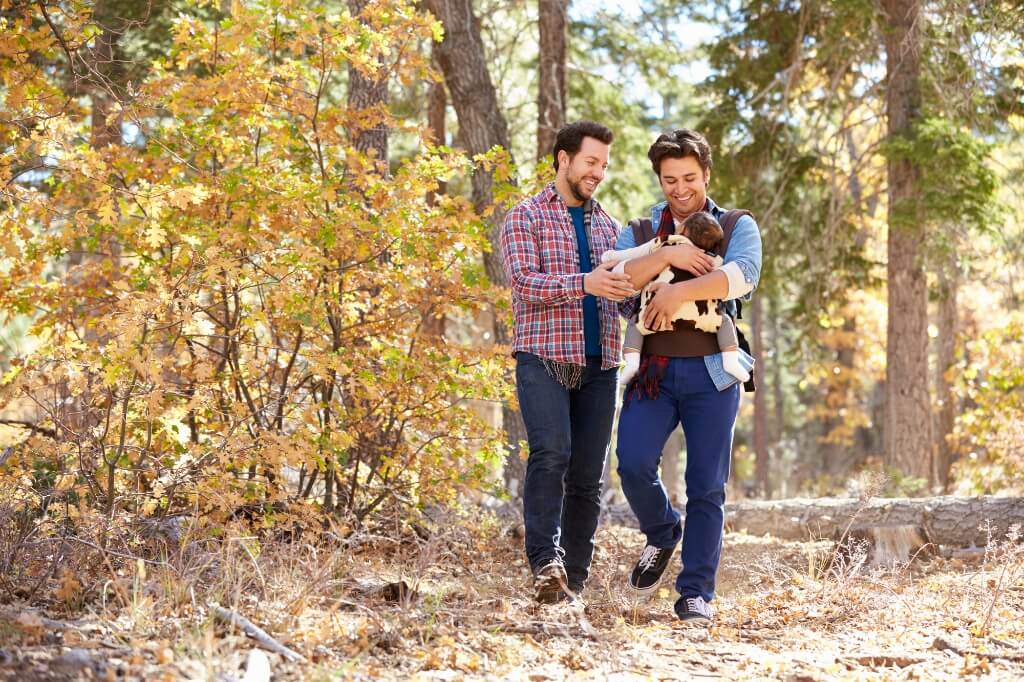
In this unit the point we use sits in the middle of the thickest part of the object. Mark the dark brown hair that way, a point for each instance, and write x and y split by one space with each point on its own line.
678 145
570 137
703 230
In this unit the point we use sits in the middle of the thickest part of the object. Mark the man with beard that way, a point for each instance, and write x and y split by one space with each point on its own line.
566 343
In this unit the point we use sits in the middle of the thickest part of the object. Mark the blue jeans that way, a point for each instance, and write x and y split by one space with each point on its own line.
687 395
568 431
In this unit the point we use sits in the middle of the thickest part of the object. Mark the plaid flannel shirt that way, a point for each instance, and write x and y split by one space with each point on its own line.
538 248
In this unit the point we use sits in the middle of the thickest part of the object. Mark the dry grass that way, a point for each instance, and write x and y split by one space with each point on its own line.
466 613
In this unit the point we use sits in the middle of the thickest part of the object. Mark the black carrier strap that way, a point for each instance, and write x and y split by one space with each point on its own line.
643 232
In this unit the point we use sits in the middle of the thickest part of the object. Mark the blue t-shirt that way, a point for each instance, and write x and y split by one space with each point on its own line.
591 320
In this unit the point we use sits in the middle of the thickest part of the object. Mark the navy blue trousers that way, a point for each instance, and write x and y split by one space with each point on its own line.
687 396
568 432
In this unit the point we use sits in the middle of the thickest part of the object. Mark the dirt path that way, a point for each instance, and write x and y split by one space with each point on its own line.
470 617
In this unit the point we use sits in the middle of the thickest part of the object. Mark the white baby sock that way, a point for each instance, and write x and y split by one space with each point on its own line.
731 362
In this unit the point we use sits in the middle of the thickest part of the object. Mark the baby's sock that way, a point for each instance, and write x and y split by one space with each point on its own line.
632 365
731 362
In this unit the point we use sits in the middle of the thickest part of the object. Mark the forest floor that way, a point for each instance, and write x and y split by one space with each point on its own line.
467 614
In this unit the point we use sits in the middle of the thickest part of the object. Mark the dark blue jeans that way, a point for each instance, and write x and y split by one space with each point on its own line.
568 432
688 396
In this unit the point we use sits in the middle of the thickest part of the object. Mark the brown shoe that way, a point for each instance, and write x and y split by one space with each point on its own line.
550 583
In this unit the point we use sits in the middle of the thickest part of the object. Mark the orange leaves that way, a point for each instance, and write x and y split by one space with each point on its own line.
237 299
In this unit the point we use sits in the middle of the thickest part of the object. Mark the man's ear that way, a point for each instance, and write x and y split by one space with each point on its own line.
707 177
563 159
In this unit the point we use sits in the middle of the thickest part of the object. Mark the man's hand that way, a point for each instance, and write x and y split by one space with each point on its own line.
602 282
688 257
662 306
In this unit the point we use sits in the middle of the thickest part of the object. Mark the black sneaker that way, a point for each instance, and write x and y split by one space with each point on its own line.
649 568
550 583
694 609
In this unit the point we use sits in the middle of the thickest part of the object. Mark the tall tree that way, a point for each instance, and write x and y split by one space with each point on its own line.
947 323
552 20
482 126
908 423
367 92
761 452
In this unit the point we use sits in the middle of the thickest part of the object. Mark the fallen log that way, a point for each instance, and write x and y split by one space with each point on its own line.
946 520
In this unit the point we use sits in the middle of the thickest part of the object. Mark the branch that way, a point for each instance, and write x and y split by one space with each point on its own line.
262 638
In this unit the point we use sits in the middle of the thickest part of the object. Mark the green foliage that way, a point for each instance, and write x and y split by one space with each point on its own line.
956 184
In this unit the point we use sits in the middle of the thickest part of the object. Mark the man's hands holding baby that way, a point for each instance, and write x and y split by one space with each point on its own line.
661 309
687 257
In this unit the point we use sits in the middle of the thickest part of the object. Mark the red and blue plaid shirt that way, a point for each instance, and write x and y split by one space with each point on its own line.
538 247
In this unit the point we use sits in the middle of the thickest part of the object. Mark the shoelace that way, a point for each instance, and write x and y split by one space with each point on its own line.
699 605
648 557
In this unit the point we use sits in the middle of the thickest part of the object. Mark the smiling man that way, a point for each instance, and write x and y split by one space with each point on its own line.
681 379
566 343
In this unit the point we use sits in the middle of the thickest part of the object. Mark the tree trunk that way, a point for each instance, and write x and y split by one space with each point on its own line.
482 126
945 359
948 520
778 395
553 17
368 92
437 110
908 438
761 453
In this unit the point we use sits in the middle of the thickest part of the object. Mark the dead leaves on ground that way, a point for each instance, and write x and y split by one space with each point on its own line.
388 612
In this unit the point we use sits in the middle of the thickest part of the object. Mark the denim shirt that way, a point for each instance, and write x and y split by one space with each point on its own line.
744 250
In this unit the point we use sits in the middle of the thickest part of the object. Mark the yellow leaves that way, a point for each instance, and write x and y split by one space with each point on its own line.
226 243
64 482
193 194
437 31
156 235
107 213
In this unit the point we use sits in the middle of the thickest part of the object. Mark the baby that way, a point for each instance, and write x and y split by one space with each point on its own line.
703 231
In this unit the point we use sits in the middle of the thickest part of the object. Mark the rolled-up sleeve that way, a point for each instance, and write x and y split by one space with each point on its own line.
743 258
521 259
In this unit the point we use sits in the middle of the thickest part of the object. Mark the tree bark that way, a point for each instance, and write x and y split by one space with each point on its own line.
437 110
945 359
553 17
761 452
368 92
482 125
908 440
778 395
